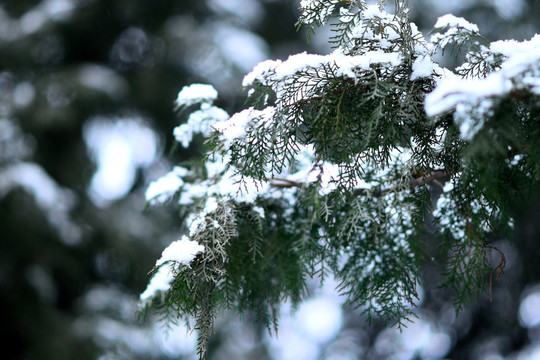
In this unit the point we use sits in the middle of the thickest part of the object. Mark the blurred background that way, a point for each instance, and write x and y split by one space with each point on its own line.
86 118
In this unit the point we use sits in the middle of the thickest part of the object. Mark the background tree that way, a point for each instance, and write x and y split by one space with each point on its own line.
86 98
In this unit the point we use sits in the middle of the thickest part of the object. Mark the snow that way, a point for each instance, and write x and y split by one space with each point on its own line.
450 20
181 251
247 10
303 68
232 185
473 99
196 93
164 188
451 92
510 9
529 309
223 182
345 64
373 11
161 281
191 192
456 30
242 48
298 62
448 186
260 72
55 201
308 3
119 146
236 127
216 166
423 66
510 48
196 222
259 210
210 206
200 122
327 175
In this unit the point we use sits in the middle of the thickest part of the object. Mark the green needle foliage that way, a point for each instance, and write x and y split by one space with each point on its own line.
330 172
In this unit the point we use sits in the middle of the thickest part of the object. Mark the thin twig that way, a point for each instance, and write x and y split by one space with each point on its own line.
416 182
499 269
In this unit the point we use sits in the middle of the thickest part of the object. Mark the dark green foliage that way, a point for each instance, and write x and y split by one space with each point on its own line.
368 157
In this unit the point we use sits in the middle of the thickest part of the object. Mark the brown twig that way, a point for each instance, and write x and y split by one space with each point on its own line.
285 183
415 182
499 269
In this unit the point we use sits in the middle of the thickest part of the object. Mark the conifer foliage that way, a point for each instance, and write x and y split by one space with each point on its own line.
330 171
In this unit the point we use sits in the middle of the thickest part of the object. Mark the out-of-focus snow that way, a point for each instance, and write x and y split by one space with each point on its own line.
36 18
144 339
529 310
303 334
240 47
510 9
55 201
248 11
102 78
119 147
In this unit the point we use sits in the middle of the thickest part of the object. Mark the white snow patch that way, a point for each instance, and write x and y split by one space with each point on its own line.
236 126
259 210
450 20
182 251
199 122
260 72
161 281
473 99
164 188
196 93
423 66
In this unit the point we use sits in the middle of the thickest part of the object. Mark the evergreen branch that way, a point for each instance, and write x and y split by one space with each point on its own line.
357 117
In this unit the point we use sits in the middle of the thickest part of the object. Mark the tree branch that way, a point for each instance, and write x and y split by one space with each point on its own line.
414 183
